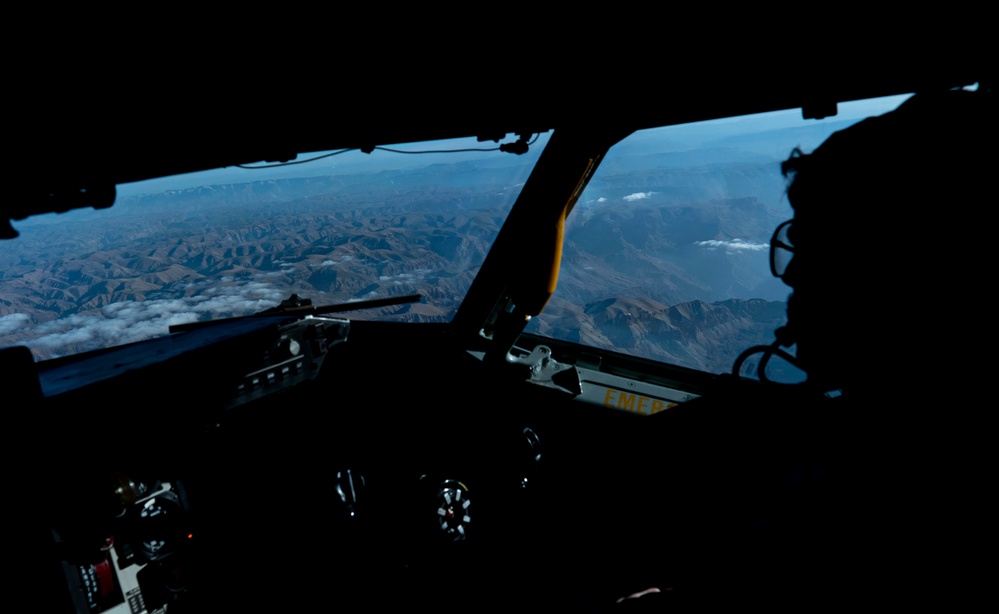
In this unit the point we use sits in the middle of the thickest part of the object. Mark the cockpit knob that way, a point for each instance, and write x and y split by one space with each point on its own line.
288 348
349 486
531 456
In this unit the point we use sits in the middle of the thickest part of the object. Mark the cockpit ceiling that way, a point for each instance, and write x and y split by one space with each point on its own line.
105 138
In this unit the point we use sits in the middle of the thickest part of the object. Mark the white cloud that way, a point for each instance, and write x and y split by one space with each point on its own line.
10 323
130 321
638 196
733 246
332 262
402 278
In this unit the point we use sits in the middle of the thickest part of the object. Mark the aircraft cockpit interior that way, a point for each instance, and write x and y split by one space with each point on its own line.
457 361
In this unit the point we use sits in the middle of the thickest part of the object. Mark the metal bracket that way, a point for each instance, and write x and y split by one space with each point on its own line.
540 363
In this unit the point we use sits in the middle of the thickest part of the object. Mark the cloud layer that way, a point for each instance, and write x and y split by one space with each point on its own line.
131 321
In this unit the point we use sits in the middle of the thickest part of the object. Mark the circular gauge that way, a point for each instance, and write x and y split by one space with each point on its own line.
453 510
158 518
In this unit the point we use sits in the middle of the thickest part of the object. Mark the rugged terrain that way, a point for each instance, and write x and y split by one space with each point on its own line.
632 279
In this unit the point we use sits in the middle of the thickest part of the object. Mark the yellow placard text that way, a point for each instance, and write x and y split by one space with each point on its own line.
635 403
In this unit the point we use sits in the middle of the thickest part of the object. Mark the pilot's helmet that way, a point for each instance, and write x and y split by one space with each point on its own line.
887 229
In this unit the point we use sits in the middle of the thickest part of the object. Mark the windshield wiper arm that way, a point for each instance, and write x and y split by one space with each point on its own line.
298 306
295 305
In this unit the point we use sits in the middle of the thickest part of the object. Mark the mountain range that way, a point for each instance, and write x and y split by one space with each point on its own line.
632 277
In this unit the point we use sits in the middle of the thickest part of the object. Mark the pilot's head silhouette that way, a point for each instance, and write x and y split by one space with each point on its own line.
887 245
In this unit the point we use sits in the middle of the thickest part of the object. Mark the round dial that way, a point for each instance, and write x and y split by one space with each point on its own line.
158 518
453 510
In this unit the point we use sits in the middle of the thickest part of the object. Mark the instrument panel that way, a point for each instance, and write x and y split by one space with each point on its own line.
301 442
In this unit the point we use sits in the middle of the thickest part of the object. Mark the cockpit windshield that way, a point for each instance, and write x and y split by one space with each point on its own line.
666 254
332 227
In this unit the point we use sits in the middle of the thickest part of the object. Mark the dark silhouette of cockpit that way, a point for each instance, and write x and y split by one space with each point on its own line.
300 457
